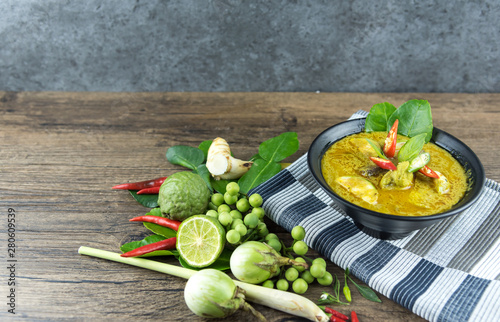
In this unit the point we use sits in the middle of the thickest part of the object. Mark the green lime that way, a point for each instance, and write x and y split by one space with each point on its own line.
200 240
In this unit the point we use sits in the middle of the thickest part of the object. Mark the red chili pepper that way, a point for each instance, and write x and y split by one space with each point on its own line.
149 191
336 313
166 244
391 140
333 318
141 184
383 163
426 171
165 222
354 317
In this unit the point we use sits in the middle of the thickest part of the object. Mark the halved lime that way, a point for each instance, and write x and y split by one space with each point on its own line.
200 240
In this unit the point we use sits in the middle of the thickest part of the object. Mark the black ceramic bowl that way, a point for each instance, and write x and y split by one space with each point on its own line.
384 226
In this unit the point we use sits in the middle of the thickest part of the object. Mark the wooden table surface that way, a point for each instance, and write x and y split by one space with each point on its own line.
60 153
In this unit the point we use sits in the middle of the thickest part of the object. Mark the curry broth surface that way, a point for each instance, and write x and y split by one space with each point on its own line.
344 159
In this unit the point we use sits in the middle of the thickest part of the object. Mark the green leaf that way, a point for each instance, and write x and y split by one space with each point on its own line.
366 292
280 147
414 117
150 201
336 287
157 229
154 212
160 253
146 241
255 157
221 264
378 117
203 172
260 171
376 148
411 148
220 185
204 146
136 244
160 230
185 156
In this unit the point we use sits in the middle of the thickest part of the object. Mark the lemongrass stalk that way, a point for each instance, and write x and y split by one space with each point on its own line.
283 301
280 300
139 262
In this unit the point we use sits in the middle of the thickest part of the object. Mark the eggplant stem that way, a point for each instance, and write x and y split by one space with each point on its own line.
289 261
247 307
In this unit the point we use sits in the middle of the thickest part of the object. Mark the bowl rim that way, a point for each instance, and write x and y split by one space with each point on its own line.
479 179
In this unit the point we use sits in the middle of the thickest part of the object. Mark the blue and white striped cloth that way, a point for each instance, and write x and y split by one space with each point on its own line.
446 272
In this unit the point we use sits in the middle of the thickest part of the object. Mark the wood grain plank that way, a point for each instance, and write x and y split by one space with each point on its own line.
61 152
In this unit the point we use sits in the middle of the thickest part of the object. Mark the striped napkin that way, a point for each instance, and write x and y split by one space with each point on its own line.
446 272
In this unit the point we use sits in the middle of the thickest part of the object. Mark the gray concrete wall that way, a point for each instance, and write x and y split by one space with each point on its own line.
236 45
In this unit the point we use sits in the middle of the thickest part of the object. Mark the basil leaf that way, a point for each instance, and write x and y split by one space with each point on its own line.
378 117
279 148
412 148
415 118
160 230
150 201
260 171
376 148
146 241
204 146
185 156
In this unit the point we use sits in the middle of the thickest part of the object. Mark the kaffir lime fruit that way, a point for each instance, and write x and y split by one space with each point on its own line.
200 240
183 194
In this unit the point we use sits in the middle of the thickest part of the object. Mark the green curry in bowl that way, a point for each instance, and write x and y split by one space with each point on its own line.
409 172
349 168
